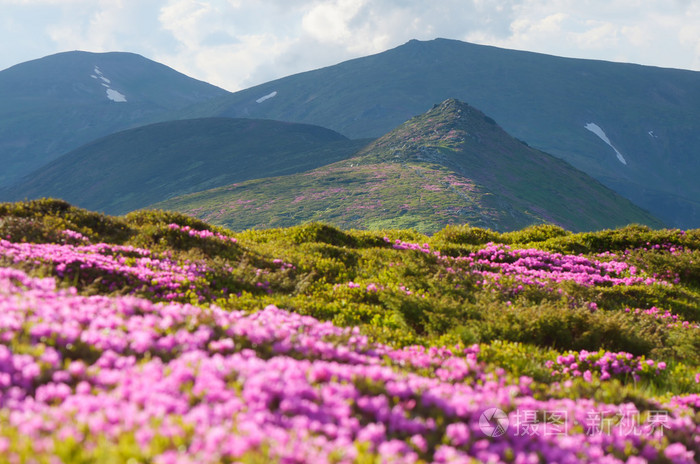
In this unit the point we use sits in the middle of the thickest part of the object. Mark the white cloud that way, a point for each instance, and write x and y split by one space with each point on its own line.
597 35
329 21
689 34
645 32
224 42
185 19
89 25
44 2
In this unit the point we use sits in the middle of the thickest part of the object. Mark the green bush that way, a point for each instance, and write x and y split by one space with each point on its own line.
551 325
27 229
53 216
626 238
143 218
321 233
466 235
536 233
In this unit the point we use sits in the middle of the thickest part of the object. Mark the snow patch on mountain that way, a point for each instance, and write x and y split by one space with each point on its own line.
100 76
115 96
595 128
266 97
112 94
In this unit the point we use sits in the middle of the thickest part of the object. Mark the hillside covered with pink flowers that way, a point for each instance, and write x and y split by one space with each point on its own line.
156 338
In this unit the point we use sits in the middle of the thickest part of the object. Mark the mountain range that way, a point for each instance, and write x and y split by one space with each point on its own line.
58 103
645 120
134 168
116 131
451 165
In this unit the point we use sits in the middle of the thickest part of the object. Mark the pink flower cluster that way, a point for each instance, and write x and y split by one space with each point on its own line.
669 247
401 245
656 313
117 266
607 364
198 384
374 288
202 233
283 265
533 266
73 236
370 287
444 361
537 267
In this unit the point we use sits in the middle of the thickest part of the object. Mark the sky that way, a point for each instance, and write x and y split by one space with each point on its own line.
236 44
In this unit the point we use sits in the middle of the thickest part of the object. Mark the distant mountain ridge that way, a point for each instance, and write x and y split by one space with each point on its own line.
651 116
634 128
451 165
57 103
136 167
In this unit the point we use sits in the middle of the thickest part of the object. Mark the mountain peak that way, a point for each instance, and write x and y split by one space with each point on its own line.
459 114
451 104
451 125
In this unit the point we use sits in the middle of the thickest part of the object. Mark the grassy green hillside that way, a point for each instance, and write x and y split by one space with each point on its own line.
104 359
134 168
649 114
60 102
451 165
